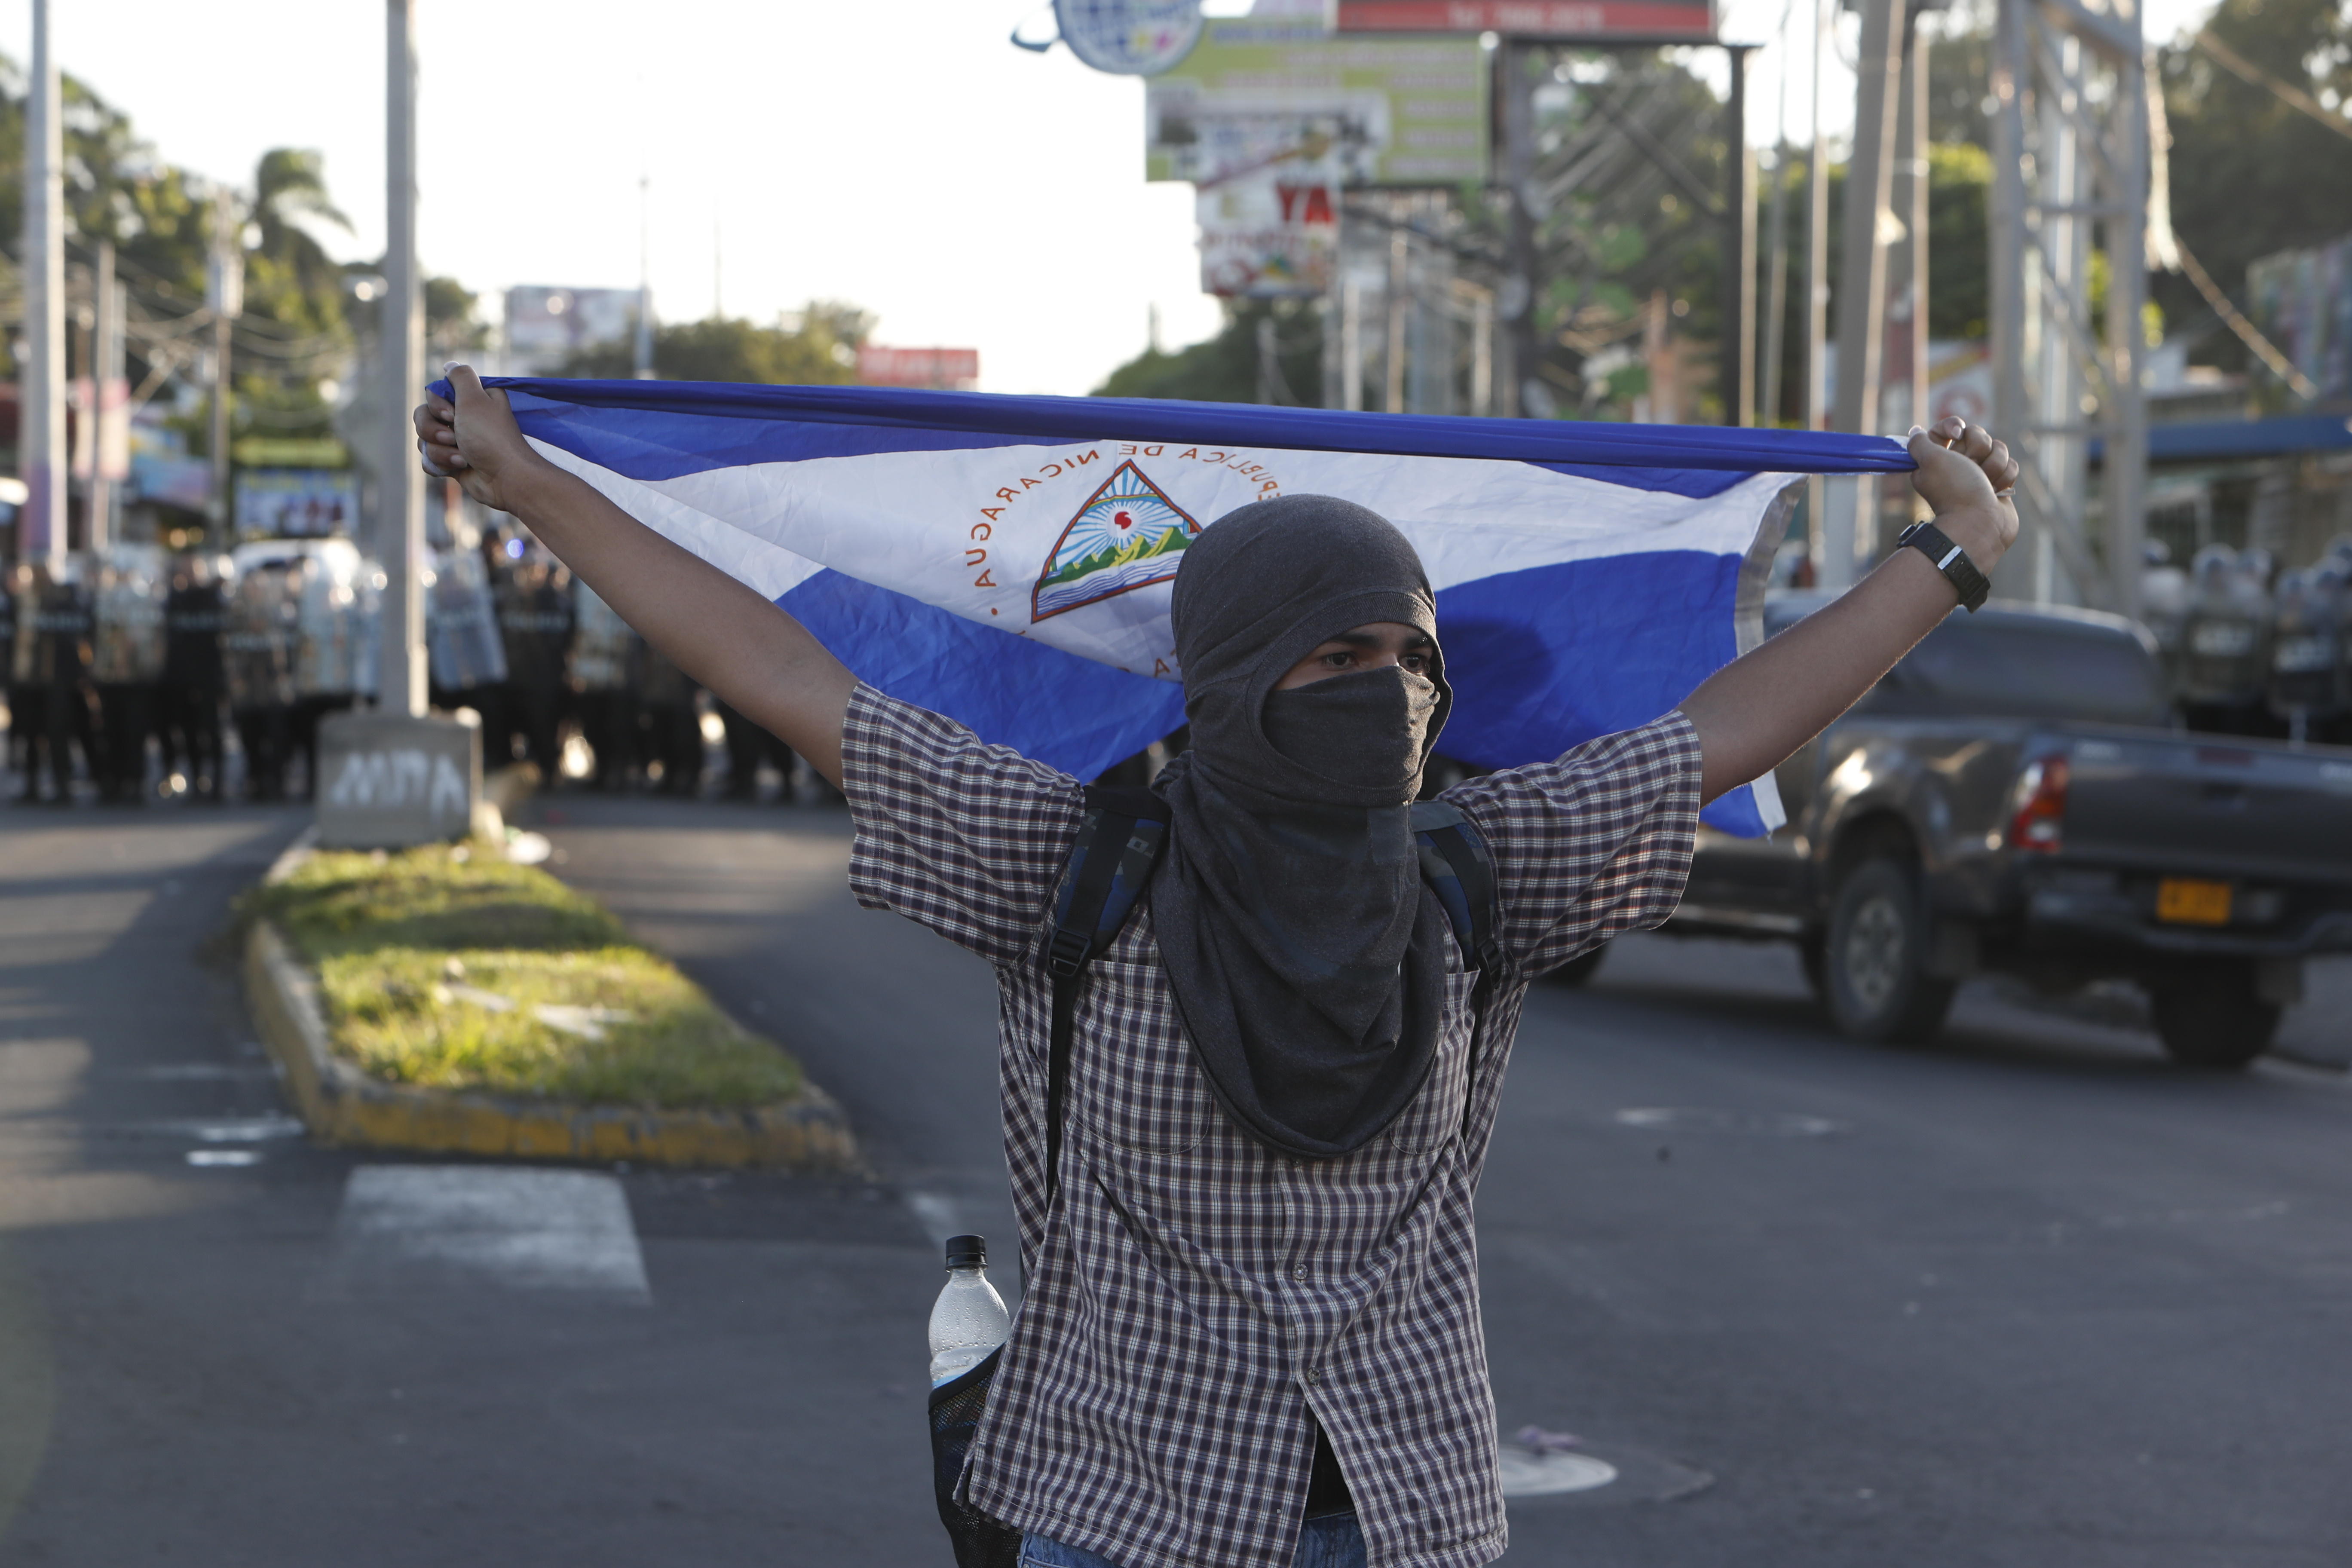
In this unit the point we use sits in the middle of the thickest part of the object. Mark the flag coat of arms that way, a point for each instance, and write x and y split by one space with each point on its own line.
1008 561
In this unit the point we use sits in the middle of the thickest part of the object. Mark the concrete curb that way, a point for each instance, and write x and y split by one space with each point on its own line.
344 1107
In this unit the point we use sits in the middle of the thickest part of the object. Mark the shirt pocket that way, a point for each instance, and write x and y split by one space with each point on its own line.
1435 1113
1132 1069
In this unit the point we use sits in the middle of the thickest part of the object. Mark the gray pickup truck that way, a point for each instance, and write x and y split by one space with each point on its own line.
2012 797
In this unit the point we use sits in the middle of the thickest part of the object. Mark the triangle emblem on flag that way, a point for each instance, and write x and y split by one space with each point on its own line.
1128 535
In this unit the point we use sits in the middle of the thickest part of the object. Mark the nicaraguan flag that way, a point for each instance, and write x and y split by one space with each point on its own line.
1007 561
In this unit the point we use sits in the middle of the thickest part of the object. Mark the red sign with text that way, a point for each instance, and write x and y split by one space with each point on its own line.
939 370
1556 20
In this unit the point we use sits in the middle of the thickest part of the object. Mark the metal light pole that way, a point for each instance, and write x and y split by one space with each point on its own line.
2070 152
1740 243
400 525
394 776
225 297
105 373
1851 533
1817 293
42 442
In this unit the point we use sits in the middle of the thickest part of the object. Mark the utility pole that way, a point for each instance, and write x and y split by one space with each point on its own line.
644 358
1517 304
1400 295
2071 164
1739 246
400 526
1776 270
1902 399
42 458
225 294
1351 344
1776 283
1853 519
1817 293
107 304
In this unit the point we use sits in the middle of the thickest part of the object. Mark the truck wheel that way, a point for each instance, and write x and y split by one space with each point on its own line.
1875 965
1581 968
2213 1019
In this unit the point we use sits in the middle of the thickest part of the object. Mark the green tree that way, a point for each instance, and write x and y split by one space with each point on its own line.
818 347
1224 368
2250 175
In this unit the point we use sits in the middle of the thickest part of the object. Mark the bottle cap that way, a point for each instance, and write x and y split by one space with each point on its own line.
966 1252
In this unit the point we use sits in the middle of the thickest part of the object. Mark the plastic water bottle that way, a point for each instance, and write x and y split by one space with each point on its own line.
968 1319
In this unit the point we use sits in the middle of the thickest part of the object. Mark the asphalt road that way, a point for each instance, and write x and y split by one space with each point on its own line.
2029 1296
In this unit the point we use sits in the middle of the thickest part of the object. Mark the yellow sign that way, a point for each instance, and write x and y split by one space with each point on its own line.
290 452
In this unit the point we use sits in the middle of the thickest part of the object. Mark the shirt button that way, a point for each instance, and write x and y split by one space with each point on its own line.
1311 1375
1298 1271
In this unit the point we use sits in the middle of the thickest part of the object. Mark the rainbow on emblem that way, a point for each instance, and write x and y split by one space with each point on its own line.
1127 536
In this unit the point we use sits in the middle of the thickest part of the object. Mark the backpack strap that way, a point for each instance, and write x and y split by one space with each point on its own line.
1460 869
1456 865
1120 839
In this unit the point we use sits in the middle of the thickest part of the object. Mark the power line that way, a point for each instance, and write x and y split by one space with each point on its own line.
2287 92
2247 333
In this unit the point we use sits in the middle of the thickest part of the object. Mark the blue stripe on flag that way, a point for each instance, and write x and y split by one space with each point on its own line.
784 424
1070 712
1521 652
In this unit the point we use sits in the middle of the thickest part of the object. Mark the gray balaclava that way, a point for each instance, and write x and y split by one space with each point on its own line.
1307 957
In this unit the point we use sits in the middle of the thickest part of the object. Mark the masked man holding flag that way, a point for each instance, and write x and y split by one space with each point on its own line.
1251 1336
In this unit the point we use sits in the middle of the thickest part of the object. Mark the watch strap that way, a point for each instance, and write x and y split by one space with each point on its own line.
1951 560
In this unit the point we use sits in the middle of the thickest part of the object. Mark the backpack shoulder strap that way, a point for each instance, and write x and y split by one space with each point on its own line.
1457 865
1120 836
1460 869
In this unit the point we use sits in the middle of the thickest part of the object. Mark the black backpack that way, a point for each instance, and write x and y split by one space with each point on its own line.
1120 836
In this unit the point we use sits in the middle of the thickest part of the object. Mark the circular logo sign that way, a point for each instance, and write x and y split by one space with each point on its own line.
1129 38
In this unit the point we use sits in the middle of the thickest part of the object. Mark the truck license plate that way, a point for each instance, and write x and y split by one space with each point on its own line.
2187 900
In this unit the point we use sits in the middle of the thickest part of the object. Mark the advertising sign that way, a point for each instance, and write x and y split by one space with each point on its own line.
1660 21
296 503
2302 300
546 326
939 370
1270 233
1259 92
1128 38
172 480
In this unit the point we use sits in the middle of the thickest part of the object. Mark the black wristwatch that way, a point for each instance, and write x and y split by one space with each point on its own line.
1951 560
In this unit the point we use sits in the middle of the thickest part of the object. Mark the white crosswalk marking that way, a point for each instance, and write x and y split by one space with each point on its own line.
551 1230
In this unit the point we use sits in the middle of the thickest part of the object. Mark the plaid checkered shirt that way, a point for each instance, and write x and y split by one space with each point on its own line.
1193 1296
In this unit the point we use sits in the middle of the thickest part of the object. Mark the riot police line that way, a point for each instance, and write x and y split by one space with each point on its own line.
136 674
2253 651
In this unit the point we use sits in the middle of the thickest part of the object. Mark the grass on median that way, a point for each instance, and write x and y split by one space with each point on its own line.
447 968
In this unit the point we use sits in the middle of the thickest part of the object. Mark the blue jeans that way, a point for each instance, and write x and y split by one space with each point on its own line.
1330 1541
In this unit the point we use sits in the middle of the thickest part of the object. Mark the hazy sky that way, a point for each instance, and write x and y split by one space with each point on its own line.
897 153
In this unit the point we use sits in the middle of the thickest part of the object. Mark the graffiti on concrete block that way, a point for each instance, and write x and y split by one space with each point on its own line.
401 780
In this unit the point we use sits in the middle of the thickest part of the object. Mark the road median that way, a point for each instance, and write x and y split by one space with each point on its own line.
442 1001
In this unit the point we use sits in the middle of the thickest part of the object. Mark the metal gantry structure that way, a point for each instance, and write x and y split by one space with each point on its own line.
2071 177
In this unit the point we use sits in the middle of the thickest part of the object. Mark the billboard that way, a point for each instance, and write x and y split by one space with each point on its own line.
2302 300
546 326
939 370
1659 21
1271 233
1260 92
296 503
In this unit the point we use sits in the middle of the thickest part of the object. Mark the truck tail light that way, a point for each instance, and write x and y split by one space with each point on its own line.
2038 823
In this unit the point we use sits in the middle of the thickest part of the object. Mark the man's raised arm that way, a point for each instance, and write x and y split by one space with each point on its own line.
1755 711
764 663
